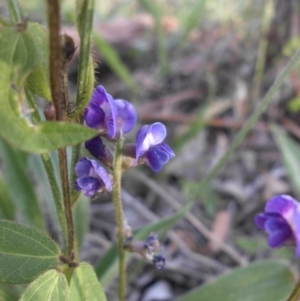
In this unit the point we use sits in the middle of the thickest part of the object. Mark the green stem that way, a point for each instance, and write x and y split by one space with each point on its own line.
55 64
119 218
84 24
49 168
295 295
14 11
251 121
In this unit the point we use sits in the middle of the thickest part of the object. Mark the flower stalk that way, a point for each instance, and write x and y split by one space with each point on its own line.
295 295
119 218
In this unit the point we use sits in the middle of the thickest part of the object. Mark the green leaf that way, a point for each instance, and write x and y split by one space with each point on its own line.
107 268
40 138
113 60
81 213
25 252
10 292
85 14
266 281
21 188
7 207
85 285
50 286
19 54
38 81
15 64
290 152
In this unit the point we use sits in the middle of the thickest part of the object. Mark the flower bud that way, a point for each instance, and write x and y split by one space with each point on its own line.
68 48
49 111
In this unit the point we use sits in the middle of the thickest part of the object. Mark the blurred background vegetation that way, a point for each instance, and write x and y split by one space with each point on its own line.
201 67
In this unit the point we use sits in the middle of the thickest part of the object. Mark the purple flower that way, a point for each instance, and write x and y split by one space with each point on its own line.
149 146
92 177
281 221
109 116
101 112
98 149
126 116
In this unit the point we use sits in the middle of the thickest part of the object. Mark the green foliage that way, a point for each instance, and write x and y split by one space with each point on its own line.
23 194
113 60
38 81
25 252
85 14
85 285
266 281
7 207
50 286
291 153
81 214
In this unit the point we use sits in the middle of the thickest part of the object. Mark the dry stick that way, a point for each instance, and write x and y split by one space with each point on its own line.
191 218
55 63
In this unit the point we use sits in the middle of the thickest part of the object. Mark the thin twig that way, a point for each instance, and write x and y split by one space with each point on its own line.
170 199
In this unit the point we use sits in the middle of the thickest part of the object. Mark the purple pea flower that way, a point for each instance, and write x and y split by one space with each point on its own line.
127 116
101 112
149 146
92 177
98 149
281 221
108 115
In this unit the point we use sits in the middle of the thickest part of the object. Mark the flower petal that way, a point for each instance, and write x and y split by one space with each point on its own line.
141 135
102 174
93 116
158 133
283 205
99 96
279 231
126 115
111 114
156 159
260 220
89 185
83 167
166 148
96 147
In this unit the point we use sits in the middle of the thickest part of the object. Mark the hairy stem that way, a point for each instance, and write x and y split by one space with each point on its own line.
119 218
55 64
84 23
295 295
14 11
49 168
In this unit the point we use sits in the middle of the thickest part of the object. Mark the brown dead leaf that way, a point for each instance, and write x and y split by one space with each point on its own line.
220 229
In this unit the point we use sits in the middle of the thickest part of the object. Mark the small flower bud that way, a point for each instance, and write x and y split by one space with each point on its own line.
68 48
49 111
149 249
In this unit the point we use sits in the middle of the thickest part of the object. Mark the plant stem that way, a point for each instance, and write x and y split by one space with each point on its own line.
14 11
48 165
85 16
295 295
119 218
55 65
